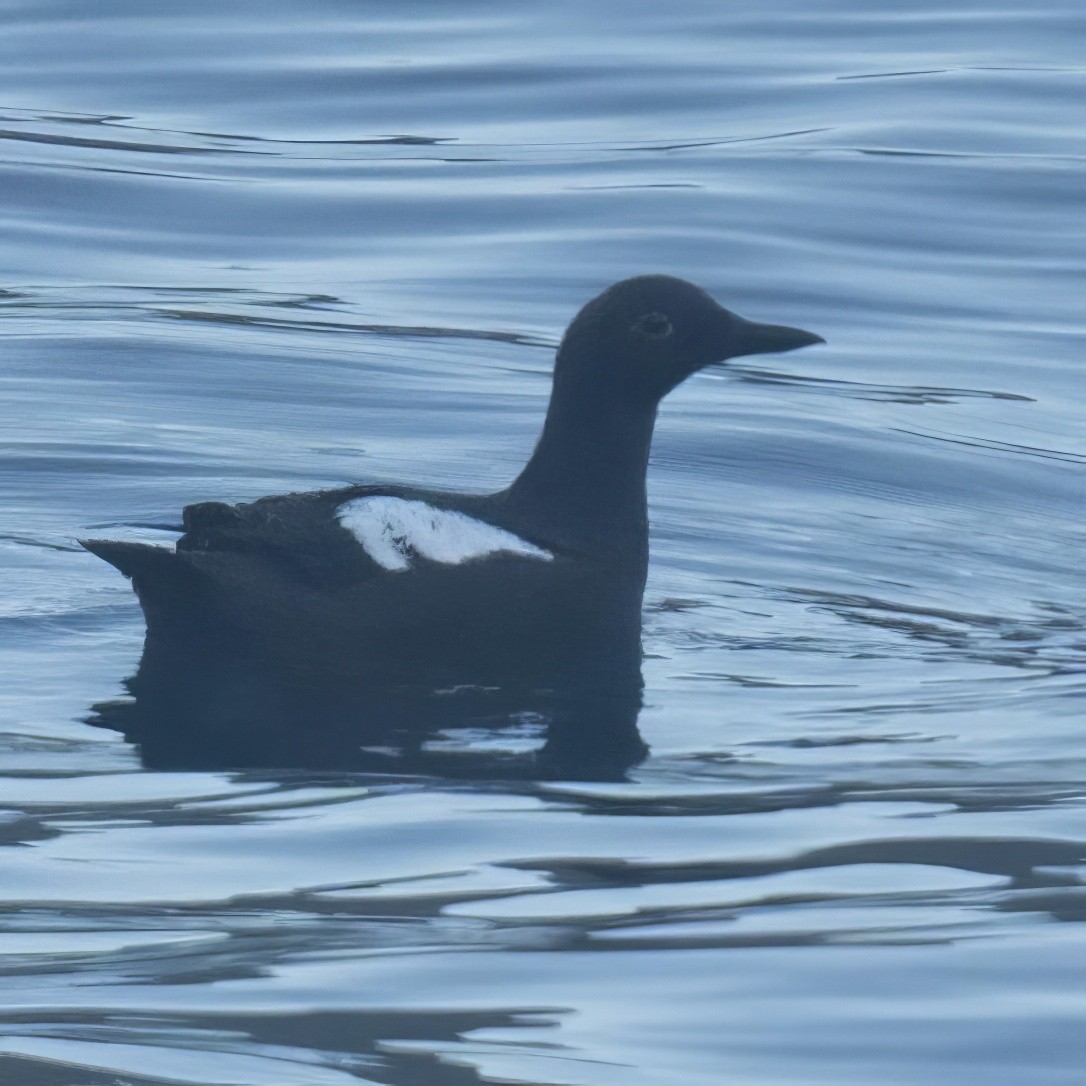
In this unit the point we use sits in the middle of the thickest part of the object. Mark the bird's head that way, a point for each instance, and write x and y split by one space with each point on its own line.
646 335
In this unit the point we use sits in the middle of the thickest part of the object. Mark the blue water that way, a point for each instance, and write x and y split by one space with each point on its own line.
255 247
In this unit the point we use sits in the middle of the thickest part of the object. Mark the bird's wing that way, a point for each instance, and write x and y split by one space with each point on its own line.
300 534
337 538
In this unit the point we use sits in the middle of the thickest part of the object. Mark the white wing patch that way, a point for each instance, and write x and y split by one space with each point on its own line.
393 531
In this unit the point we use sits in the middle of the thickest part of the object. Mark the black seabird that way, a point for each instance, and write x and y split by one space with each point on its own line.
301 629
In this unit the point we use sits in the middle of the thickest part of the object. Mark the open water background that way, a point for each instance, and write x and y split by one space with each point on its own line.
254 247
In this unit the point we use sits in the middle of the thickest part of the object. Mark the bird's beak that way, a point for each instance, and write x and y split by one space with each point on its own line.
754 338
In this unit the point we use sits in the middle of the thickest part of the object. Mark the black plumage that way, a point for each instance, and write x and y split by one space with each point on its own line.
276 635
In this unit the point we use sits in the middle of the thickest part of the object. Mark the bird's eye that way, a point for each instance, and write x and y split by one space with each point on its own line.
654 325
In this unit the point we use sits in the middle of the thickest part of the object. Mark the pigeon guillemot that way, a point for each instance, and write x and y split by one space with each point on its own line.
271 617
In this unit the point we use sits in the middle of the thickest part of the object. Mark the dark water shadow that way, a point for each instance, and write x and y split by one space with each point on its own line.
914 395
394 1047
226 714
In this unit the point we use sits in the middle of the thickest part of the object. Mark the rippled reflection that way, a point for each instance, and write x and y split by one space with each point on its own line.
232 717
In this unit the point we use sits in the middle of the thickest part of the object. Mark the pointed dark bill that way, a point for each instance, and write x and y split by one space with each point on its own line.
757 338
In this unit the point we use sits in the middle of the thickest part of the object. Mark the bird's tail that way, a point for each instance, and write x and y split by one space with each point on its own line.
171 588
135 560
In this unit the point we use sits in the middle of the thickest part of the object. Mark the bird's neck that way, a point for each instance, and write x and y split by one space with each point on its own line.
585 481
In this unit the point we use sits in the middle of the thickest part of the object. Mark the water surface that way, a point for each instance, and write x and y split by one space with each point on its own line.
261 249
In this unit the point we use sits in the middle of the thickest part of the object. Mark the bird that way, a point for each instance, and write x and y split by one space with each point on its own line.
298 627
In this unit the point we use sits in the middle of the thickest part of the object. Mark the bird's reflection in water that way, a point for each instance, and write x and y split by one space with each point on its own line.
203 713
